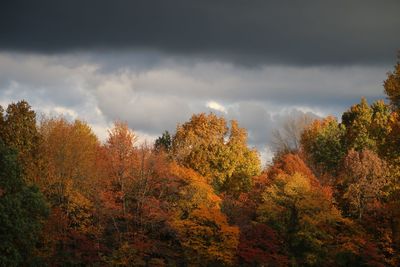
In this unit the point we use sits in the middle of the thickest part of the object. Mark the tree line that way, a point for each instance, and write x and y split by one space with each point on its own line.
199 196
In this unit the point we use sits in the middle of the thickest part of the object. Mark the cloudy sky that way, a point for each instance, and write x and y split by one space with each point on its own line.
153 63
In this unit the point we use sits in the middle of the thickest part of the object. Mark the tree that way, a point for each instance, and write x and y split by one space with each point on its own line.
18 130
2 119
202 229
381 127
290 164
208 146
199 144
358 120
304 214
163 142
173 217
22 212
68 155
363 180
245 162
392 86
260 245
287 139
207 238
121 158
314 231
70 181
324 145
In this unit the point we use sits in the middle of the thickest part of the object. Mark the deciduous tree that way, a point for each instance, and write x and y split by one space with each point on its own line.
208 146
324 145
363 180
392 86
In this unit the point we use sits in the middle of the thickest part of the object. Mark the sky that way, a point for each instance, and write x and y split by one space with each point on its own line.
154 63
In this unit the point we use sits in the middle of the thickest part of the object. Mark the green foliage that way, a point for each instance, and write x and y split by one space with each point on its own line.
18 130
22 211
163 142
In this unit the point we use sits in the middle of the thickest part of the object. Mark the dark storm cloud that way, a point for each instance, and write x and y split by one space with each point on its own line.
249 32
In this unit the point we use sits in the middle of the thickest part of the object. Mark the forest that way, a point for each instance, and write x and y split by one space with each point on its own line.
199 196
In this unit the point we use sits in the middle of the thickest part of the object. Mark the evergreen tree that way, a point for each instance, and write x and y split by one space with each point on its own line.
22 211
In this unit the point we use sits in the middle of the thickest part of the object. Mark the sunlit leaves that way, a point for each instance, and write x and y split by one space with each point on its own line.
324 145
363 180
68 152
392 86
208 146
301 210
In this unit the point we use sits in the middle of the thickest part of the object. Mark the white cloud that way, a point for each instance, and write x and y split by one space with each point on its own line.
66 112
216 106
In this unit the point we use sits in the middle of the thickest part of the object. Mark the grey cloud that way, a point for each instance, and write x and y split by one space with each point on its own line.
43 79
310 86
255 118
145 113
155 97
248 32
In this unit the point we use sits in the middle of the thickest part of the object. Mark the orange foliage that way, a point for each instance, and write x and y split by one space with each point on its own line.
290 164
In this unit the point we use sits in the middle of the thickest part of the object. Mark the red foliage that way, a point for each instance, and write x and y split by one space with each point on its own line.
259 245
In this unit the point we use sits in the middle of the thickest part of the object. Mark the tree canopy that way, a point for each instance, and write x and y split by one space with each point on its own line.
198 196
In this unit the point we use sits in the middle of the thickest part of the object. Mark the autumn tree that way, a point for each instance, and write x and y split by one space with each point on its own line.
69 180
197 198
290 163
68 156
208 146
324 145
203 230
363 180
314 231
300 213
174 218
260 245
363 187
390 210
358 120
392 157
121 157
392 86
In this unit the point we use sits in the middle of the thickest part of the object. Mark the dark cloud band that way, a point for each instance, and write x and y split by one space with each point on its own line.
248 32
